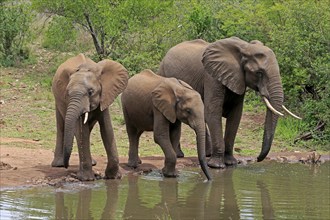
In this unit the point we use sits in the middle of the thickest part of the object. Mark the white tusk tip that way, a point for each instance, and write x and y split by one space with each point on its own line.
86 117
290 113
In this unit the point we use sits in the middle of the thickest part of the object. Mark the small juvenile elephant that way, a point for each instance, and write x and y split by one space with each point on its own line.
154 103
82 87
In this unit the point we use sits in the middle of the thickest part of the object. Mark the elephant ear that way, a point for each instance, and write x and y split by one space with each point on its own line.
63 73
222 60
114 78
163 98
185 84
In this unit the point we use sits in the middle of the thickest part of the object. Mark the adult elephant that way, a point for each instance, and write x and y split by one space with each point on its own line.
82 87
220 72
154 103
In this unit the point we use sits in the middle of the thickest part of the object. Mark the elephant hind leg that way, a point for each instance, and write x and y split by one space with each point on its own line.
133 153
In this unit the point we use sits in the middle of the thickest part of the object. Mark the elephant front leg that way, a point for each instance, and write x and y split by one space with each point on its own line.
217 159
232 124
213 102
108 138
82 134
162 138
175 135
58 160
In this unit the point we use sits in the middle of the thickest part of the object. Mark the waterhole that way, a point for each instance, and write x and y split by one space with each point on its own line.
266 190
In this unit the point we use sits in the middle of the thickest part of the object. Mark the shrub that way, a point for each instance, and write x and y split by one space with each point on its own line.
15 19
60 35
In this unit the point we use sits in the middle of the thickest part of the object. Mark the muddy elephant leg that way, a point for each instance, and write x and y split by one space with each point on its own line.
232 123
108 138
162 138
58 160
213 101
175 135
82 134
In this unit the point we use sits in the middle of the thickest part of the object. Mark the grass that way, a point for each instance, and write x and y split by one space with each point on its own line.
28 112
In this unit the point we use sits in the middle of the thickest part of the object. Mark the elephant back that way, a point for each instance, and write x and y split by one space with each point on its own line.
183 61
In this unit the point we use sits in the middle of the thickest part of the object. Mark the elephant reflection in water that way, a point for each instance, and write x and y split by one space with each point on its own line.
167 207
215 200
83 209
267 208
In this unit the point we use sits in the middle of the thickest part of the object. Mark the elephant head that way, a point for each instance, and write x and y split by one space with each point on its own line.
80 86
238 64
175 99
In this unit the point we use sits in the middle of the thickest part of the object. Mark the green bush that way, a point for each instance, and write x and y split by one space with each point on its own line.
15 18
60 35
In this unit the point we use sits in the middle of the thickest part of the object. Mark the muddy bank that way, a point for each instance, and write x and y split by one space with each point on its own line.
22 167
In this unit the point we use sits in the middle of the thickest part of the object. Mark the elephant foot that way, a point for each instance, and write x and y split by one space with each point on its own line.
112 173
58 162
179 154
208 153
86 175
216 162
230 160
169 173
134 163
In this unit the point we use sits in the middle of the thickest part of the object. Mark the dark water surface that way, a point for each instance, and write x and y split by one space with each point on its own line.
266 190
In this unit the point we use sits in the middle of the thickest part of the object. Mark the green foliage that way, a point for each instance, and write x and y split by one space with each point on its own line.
139 33
301 41
60 35
135 33
203 24
14 22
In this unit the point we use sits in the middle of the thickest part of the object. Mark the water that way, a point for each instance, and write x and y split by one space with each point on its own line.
266 190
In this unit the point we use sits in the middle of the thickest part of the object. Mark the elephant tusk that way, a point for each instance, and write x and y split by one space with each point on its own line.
207 128
272 108
86 117
290 113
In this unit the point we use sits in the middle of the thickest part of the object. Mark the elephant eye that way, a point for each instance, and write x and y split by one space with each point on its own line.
90 92
259 74
188 110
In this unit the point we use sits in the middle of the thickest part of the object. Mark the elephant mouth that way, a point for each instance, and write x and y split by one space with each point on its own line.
276 112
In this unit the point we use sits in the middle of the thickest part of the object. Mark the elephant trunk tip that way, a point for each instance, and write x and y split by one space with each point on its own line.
262 155
205 170
259 159
67 153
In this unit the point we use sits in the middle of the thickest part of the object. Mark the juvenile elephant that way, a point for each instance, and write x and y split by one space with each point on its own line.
154 103
84 88
220 72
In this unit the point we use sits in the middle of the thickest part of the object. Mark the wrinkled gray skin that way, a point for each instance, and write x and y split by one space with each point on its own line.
82 86
220 72
154 103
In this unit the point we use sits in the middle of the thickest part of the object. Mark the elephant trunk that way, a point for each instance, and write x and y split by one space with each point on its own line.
276 100
73 113
201 143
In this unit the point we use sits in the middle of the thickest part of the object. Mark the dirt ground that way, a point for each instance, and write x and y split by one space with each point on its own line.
26 166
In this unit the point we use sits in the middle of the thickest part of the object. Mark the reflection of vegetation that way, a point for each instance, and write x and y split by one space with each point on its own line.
289 190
